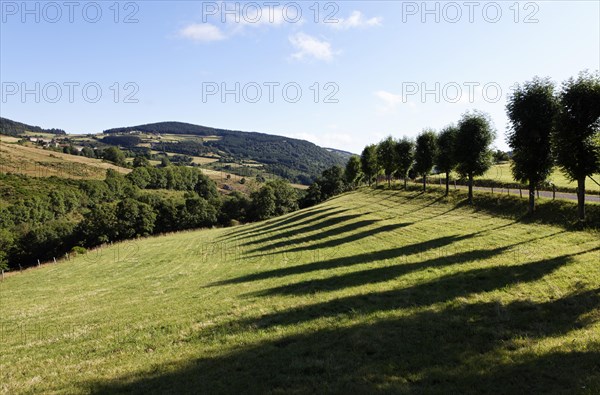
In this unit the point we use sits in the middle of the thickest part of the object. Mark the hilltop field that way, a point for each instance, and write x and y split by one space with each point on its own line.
372 291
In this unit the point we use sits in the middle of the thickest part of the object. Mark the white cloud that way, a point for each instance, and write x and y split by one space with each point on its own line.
390 101
356 19
311 47
203 32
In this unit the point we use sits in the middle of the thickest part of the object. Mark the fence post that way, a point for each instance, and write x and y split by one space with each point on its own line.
38 263
553 192
492 189
54 260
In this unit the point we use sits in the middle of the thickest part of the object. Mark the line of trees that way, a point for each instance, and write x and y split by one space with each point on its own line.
465 148
546 129
550 128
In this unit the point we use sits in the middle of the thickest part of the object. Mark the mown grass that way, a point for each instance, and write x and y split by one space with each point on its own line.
501 174
373 291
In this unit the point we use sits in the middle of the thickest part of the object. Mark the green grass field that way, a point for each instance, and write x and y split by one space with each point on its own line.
502 174
372 291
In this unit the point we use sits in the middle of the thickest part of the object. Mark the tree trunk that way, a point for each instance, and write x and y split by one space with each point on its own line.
424 183
581 198
404 182
531 197
471 189
389 181
447 183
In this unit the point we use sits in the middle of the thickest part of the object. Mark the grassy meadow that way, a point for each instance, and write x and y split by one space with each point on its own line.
372 291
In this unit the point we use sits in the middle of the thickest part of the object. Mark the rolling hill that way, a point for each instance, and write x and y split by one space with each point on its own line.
36 162
374 291
296 160
13 128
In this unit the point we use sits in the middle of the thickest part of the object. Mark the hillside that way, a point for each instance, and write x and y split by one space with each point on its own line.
36 162
297 160
372 291
13 128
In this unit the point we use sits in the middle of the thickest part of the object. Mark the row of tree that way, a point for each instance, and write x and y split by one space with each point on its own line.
547 128
465 148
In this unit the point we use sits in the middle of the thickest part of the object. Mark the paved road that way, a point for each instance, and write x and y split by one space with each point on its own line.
546 194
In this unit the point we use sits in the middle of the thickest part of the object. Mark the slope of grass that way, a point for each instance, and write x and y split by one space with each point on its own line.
37 162
373 291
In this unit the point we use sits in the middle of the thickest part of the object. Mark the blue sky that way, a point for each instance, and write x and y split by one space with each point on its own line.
361 66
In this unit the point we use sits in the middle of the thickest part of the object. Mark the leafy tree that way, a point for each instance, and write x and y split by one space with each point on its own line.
353 170
117 184
99 225
263 203
198 213
532 110
446 159
313 195
405 157
473 139
165 161
577 141
134 219
425 153
88 152
140 177
286 197
114 155
332 182
369 163
236 206
7 243
141 161
386 156
206 188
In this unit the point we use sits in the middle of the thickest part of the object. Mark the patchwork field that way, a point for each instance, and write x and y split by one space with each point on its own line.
372 291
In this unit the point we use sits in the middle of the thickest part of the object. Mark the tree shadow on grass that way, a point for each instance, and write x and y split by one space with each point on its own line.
343 240
296 223
333 230
442 289
357 259
379 274
467 349
308 227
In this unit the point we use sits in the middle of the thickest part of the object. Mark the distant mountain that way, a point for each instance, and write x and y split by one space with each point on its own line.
13 128
297 160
